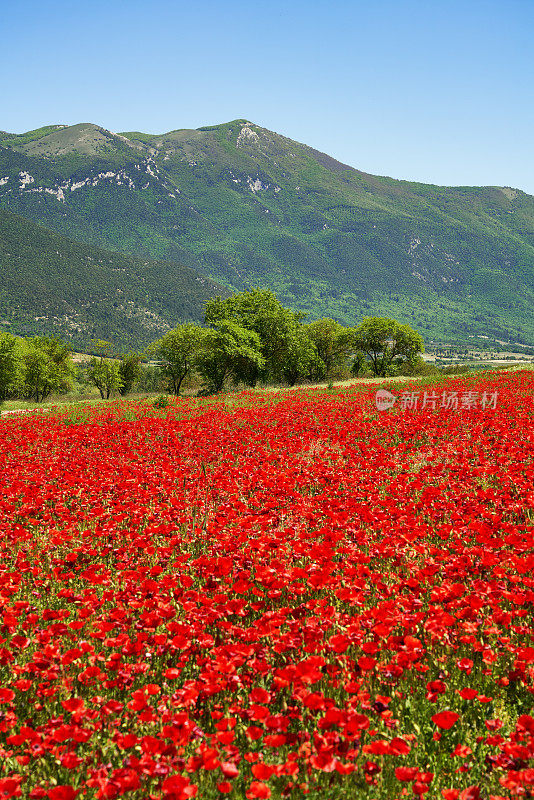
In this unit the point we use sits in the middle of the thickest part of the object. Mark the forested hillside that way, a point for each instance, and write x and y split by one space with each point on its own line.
248 207
53 286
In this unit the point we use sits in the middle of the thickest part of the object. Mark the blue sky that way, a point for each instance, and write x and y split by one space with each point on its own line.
439 91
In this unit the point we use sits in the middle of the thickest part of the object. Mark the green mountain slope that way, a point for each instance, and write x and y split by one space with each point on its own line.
246 206
51 285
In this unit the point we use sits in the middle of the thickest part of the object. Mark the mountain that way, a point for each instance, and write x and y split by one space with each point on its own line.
247 207
53 286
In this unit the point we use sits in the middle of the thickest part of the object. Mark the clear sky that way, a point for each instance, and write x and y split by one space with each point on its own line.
440 91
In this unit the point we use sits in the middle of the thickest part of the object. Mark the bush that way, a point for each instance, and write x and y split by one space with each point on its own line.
162 401
456 369
419 367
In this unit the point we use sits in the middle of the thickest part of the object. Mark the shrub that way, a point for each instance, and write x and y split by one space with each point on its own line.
162 401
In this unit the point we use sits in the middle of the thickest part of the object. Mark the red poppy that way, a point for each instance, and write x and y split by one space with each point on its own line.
465 664
176 786
471 793
11 786
229 770
406 773
291 571
257 789
62 793
445 719
262 771
419 788
468 693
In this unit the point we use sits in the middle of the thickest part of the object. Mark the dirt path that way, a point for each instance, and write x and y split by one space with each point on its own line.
26 410
350 382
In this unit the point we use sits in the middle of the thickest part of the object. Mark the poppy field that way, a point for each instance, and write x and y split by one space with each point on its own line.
297 596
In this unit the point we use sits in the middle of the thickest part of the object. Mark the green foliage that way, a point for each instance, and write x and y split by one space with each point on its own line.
300 360
418 367
247 211
387 344
150 378
360 366
229 351
10 365
285 351
162 401
456 369
177 352
129 371
105 374
102 348
46 368
333 342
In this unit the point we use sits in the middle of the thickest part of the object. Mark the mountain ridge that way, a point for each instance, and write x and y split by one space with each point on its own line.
245 207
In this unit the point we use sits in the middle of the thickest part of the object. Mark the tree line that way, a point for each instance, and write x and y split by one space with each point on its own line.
33 368
249 338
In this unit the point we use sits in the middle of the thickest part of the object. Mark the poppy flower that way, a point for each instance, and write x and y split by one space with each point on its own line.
62 793
471 793
445 719
290 571
406 773
229 770
257 791
262 771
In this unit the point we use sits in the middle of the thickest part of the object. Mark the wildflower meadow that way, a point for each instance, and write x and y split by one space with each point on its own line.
273 595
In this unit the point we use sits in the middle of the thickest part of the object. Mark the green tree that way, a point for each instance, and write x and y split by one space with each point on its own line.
104 373
177 351
46 367
228 351
101 348
301 359
359 365
278 329
129 370
387 344
334 344
150 378
10 365
102 370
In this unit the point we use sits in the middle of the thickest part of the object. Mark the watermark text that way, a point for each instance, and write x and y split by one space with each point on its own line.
451 401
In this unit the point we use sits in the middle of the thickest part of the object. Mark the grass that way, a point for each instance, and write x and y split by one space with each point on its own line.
75 404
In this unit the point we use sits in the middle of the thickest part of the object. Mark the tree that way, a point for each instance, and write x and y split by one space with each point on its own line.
228 351
10 365
278 328
103 371
359 365
150 378
129 370
102 348
387 344
46 367
177 351
301 358
334 344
